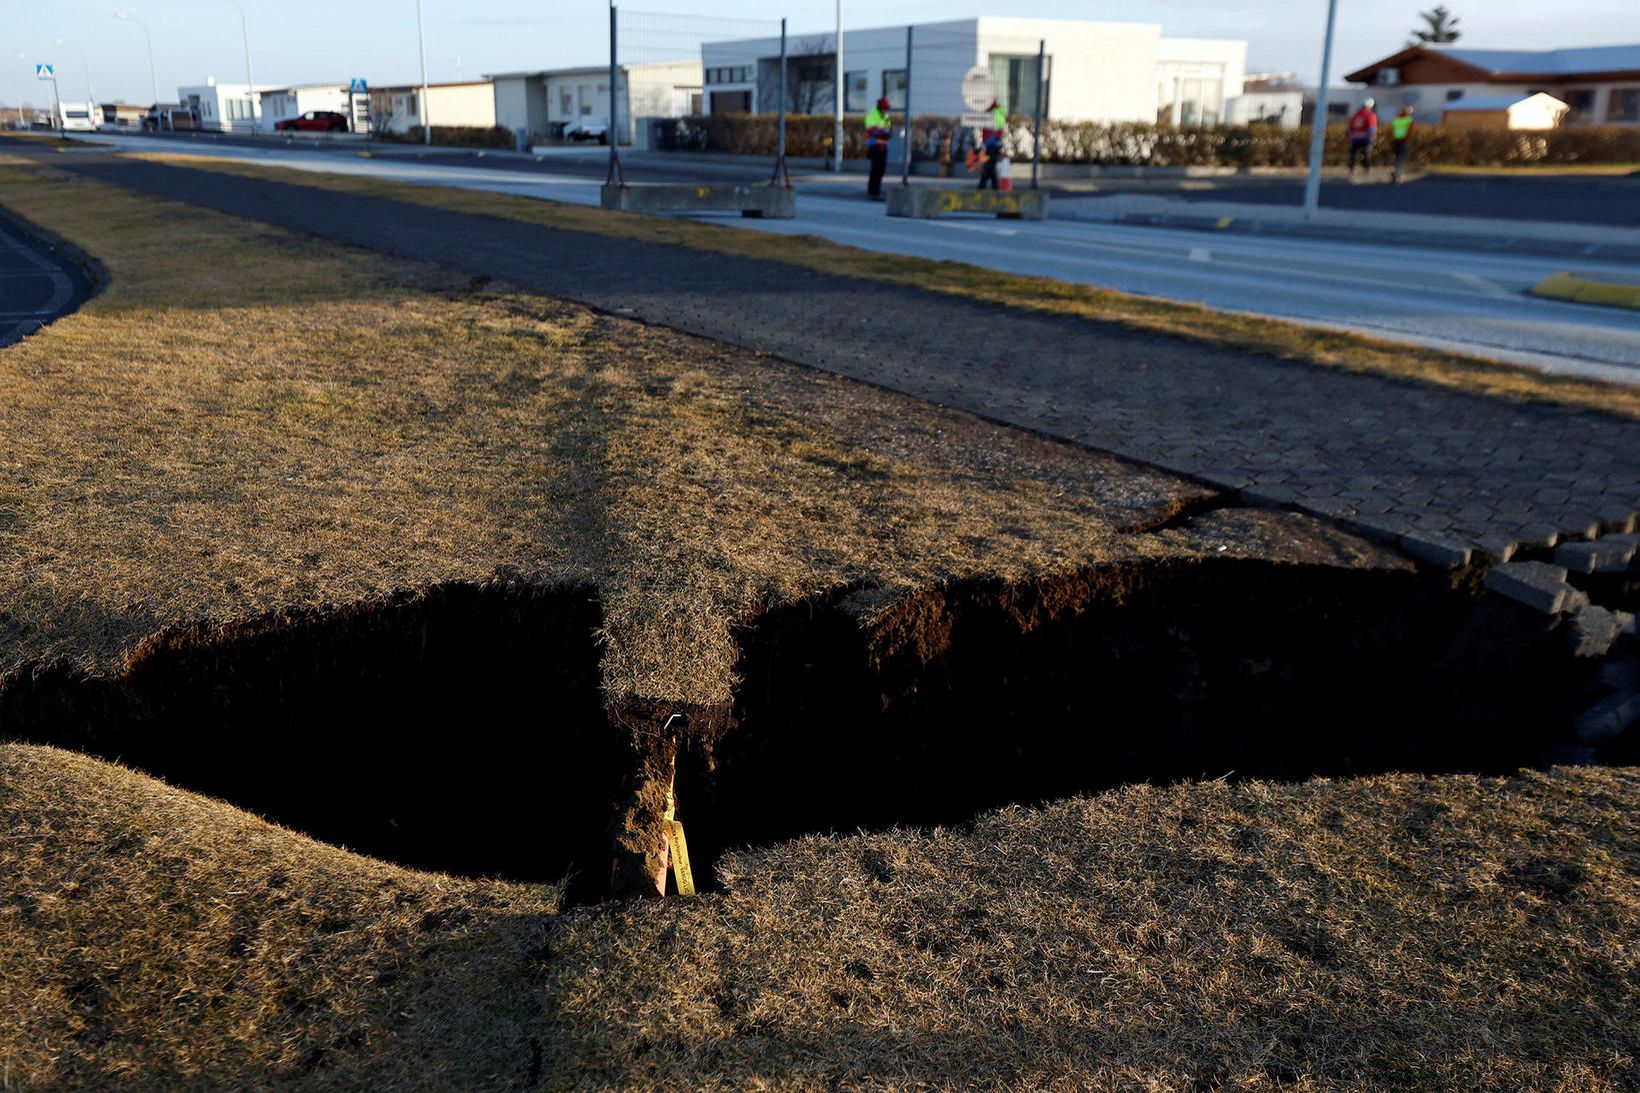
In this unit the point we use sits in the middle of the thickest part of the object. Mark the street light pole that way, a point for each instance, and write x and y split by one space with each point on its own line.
90 95
1318 123
153 73
17 86
837 127
426 107
250 78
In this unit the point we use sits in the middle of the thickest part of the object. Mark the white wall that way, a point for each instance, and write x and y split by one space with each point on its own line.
1180 60
656 91
226 106
291 102
1251 106
1098 71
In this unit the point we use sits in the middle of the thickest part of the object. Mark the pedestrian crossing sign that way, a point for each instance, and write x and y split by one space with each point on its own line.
357 87
45 72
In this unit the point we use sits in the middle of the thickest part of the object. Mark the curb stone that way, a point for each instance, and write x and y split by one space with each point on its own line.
1537 585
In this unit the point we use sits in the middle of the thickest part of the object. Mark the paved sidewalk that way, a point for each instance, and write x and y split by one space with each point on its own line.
37 282
1540 237
1395 458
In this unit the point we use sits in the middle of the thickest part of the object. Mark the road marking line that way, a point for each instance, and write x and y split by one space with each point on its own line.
1200 254
1490 288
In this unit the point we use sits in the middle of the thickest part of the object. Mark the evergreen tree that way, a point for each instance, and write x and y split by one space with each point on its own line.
1440 27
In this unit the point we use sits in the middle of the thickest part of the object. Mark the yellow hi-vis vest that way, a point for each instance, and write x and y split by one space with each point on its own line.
879 126
1399 127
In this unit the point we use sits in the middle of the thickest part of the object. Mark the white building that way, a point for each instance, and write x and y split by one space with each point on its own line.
1599 85
228 107
544 104
279 103
1102 72
469 104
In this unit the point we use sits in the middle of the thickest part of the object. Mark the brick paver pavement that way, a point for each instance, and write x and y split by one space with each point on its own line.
1393 457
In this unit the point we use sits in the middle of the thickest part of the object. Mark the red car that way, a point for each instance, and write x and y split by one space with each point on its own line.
323 121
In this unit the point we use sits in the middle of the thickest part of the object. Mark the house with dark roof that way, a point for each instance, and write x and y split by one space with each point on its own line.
1600 85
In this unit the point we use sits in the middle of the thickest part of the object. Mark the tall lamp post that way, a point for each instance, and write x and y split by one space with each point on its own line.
426 110
153 73
837 127
17 86
250 79
90 95
1318 123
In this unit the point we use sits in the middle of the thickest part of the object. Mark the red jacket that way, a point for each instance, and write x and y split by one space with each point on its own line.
1363 125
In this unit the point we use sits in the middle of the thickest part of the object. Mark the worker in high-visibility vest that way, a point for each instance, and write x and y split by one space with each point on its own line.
879 128
990 139
1400 133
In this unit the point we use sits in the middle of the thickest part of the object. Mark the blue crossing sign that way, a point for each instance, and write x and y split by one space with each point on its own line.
357 87
45 72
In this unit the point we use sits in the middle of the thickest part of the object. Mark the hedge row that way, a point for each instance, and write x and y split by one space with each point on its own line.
458 136
1137 144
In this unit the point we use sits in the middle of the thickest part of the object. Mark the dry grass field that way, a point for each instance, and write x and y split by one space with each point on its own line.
247 423
248 433
1386 933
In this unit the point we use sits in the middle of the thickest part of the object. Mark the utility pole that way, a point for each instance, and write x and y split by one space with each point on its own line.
1318 123
90 96
153 73
17 86
837 127
1036 131
905 150
250 79
426 107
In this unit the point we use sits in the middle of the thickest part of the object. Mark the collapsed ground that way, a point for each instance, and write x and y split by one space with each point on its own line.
363 532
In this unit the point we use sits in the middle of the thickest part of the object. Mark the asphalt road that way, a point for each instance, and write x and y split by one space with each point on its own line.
1584 200
36 284
1466 301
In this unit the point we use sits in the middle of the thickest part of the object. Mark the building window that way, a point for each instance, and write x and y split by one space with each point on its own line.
731 102
1016 83
415 104
1624 104
856 92
1454 96
894 88
1581 102
566 102
729 74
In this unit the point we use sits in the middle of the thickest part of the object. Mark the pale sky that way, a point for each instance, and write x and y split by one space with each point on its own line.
311 41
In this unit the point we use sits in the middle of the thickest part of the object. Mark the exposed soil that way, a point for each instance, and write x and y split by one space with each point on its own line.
463 729
460 729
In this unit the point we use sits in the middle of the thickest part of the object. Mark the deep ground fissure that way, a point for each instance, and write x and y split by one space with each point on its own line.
463 728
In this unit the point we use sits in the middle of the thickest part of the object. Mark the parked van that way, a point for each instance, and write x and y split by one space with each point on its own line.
75 116
169 118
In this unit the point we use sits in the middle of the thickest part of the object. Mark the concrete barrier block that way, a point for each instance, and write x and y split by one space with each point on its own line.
772 202
927 202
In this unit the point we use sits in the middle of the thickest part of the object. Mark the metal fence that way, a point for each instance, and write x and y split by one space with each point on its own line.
661 70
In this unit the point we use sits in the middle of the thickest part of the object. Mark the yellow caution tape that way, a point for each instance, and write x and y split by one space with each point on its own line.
680 858
681 873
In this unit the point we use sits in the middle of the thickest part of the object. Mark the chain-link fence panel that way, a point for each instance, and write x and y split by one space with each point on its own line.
673 72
